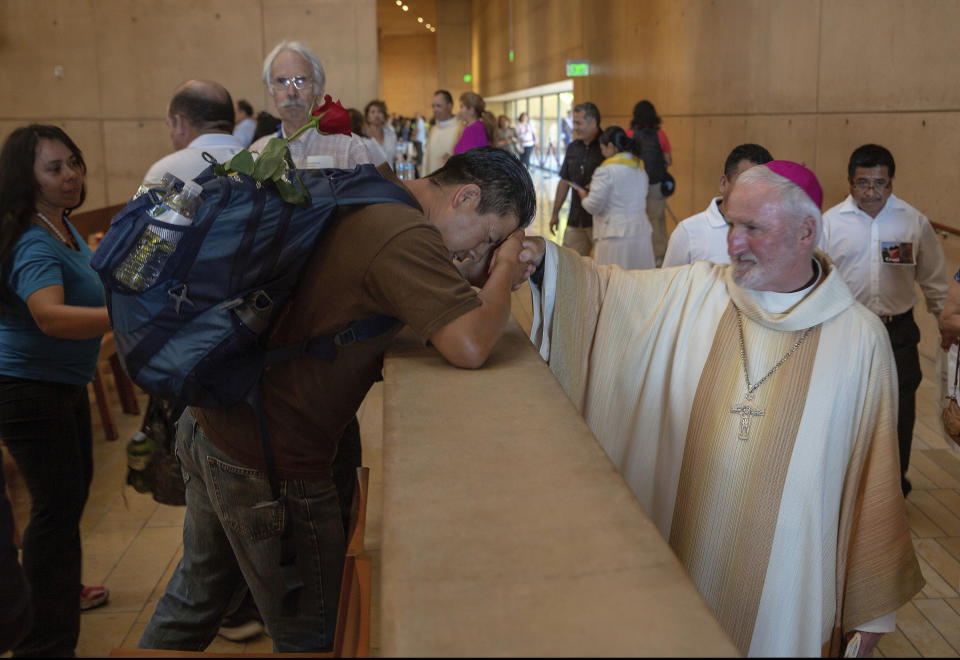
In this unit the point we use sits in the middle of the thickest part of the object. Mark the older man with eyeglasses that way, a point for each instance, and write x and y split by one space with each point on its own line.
295 80
882 245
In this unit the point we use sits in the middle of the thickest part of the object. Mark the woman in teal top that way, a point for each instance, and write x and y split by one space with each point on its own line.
52 316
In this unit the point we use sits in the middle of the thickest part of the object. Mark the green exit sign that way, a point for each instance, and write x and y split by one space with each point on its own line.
578 68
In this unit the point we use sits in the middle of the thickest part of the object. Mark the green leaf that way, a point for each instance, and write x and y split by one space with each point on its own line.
271 163
221 169
292 193
242 162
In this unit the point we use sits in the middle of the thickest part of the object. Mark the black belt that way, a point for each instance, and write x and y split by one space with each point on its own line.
893 318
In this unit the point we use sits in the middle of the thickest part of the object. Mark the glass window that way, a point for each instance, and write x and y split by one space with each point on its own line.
566 121
551 133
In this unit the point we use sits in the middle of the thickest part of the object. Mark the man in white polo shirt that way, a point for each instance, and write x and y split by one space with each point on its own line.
703 236
200 119
882 245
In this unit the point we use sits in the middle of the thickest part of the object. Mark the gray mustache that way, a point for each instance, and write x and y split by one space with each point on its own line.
293 103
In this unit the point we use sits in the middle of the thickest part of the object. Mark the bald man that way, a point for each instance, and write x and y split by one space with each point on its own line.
200 118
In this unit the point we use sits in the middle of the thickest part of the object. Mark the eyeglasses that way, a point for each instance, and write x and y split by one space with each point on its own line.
866 184
298 82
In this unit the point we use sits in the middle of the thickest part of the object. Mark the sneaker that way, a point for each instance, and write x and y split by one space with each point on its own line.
91 597
240 631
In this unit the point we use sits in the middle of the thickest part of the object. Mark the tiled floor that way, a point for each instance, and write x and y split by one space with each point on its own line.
132 544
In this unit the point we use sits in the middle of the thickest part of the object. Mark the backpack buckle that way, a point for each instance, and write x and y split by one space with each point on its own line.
345 337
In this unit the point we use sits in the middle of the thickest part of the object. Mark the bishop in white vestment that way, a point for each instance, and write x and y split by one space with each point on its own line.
754 419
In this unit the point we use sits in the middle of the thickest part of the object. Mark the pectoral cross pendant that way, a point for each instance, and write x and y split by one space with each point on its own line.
746 411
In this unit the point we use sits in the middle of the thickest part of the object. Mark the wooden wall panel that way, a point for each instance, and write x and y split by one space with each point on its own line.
34 39
408 73
889 55
924 146
122 59
131 147
454 47
778 72
546 33
146 49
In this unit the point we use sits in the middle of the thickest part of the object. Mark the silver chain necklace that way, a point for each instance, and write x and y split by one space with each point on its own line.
745 410
53 228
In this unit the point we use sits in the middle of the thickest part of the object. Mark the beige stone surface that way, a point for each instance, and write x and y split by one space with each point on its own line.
507 530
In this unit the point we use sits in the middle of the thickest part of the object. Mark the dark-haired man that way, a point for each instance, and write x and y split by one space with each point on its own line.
246 124
443 135
882 246
382 259
200 119
583 156
703 236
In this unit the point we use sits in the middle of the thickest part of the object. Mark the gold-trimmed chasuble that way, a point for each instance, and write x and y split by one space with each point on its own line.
735 463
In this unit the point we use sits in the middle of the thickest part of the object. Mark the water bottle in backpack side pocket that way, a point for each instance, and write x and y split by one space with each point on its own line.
143 264
139 455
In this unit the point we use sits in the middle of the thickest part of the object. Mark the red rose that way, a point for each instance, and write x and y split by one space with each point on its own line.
332 117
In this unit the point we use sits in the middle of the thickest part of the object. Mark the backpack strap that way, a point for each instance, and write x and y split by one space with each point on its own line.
325 346
292 584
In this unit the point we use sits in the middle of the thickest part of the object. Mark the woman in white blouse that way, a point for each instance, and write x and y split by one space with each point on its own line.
378 128
617 199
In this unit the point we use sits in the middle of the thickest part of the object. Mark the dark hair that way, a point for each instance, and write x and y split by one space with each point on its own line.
750 152
266 124
619 139
871 155
445 95
505 184
522 115
356 121
589 110
376 103
245 106
645 116
205 105
19 187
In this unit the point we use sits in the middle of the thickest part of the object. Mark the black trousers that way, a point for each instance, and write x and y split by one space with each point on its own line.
46 427
904 337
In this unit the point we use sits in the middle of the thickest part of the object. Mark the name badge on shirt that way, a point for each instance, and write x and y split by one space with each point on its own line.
896 253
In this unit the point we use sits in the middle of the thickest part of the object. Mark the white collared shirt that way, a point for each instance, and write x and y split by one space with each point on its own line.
187 163
344 151
701 237
881 258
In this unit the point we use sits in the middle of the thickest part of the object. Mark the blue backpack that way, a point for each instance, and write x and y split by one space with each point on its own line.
196 330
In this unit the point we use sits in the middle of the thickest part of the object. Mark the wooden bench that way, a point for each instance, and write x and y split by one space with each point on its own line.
127 395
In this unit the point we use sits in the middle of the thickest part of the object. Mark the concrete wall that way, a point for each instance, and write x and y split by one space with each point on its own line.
809 79
121 59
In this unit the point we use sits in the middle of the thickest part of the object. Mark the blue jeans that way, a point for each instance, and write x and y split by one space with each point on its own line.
46 427
231 536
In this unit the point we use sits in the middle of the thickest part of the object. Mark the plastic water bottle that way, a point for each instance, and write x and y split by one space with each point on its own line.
139 455
161 188
145 262
404 170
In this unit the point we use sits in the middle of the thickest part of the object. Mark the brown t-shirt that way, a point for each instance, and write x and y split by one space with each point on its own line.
377 259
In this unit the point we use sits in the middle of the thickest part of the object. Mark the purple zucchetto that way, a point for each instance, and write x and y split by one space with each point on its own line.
801 176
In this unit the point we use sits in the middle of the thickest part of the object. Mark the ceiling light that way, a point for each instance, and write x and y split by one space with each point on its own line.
419 19
399 2
427 26
406 8
433 29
